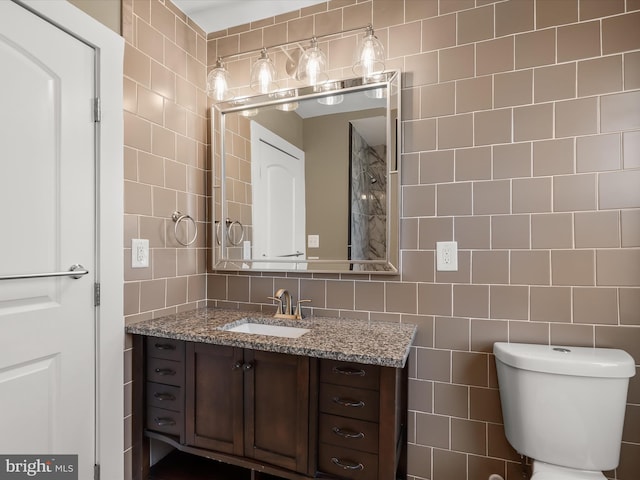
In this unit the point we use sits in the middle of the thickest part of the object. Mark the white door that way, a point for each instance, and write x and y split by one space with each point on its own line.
277 175
47 194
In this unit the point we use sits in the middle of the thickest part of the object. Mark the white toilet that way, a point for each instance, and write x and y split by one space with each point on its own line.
563 407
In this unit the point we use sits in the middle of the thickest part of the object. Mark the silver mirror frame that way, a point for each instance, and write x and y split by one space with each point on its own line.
220 242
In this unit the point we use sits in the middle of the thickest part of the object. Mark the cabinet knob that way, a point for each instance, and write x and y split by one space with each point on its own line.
237 366
346 465
244 366
165 371
165 346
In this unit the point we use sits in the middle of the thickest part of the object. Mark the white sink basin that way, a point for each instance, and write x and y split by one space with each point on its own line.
267 329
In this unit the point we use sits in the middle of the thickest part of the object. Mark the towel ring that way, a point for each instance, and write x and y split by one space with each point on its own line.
230 237
178 217
228 224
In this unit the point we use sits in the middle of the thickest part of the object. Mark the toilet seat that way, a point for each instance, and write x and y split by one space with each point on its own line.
547 471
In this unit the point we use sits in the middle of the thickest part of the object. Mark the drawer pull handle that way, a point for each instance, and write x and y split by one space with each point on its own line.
165 371
347 402
164 396
344 433
165 346
349 371
164 421
348 465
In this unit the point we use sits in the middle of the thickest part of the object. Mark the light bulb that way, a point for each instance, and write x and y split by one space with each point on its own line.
218 83
263 74
369 56
312 65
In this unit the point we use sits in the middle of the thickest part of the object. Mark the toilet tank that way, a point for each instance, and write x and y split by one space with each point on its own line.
564 405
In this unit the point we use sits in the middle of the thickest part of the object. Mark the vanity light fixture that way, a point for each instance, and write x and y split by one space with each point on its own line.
369 56
331 100
263 74
249 112
312 65
310 68
289 106
218 83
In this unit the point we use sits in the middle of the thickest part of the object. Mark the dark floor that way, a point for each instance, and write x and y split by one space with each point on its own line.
183 466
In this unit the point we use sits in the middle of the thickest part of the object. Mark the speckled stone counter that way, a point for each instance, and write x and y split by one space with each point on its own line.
377 343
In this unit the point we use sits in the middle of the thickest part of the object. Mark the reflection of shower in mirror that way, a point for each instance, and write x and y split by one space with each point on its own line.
370 176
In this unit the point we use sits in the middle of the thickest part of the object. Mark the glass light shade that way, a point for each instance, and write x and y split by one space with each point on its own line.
288 107
312 65
263 74
249 112
369 56
376 93
331 100
218 82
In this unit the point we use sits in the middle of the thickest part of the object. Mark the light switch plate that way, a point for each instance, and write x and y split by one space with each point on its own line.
447 256
139 253
313 241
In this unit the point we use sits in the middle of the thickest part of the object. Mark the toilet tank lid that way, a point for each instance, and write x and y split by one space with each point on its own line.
580 361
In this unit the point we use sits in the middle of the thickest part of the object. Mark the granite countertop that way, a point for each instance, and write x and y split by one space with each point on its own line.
377 343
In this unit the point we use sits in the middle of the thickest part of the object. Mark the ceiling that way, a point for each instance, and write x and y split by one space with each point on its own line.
215 15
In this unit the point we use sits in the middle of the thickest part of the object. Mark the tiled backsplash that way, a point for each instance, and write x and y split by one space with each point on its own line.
521 142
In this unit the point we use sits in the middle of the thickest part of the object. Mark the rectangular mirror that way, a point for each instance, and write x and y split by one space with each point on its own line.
307 179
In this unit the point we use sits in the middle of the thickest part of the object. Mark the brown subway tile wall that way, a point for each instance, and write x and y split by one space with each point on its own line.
165 129
521 131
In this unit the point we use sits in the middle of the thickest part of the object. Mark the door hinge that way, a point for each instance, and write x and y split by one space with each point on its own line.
96 294
96 472
97 110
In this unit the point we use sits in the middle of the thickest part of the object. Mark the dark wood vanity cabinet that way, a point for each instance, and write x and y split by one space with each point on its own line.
293 417
249 403
362 421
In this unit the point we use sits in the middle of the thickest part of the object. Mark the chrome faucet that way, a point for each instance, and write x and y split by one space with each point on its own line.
285 305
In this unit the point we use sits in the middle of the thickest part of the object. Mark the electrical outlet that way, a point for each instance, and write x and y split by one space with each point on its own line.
139 253
447 256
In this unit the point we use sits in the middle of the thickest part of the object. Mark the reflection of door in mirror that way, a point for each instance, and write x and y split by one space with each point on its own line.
277 177
368 187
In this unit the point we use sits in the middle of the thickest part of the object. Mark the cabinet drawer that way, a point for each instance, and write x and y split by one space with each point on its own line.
349 402
164 421
350 374
165 348
349 433
164 396
347 463
164 371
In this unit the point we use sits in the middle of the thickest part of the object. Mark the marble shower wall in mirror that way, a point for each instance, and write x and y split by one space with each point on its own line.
368 215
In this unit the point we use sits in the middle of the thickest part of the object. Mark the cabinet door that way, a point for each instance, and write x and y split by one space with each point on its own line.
214 414
277 409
